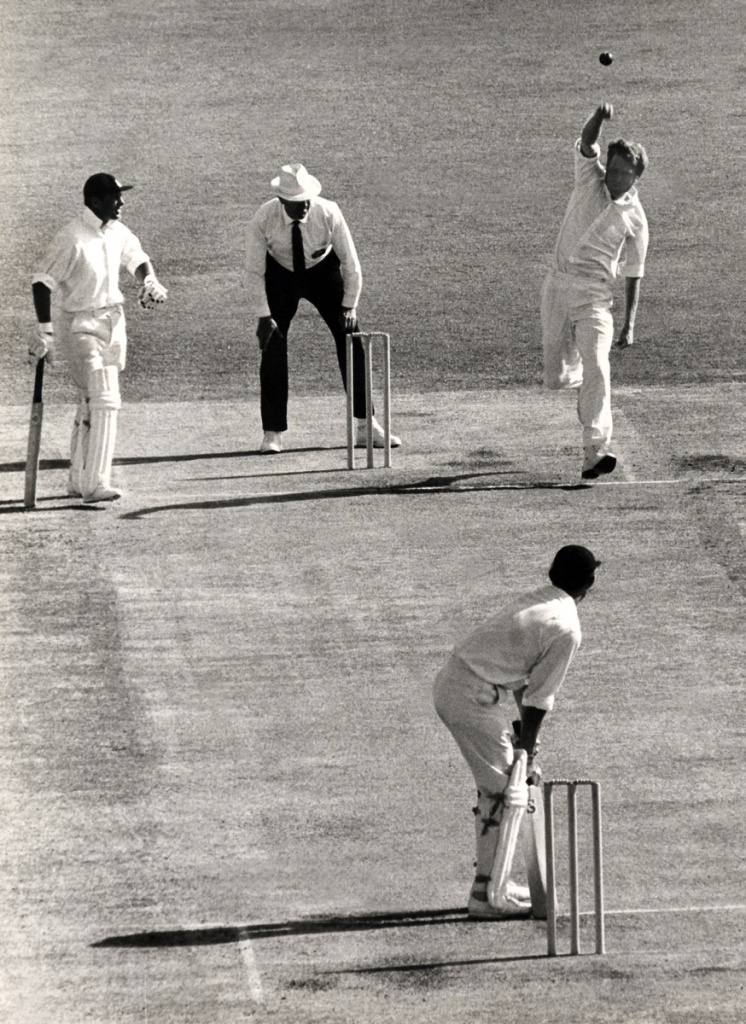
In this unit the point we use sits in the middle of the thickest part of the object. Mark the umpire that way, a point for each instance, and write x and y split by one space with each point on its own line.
299 247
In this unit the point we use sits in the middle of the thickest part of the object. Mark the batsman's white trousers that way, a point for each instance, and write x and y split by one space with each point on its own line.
577 331
479 717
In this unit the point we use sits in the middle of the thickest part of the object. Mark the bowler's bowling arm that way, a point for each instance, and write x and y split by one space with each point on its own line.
592 129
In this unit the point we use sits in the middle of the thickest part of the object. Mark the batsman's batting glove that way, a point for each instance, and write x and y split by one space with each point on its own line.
41 344
152 292
348 319
265 331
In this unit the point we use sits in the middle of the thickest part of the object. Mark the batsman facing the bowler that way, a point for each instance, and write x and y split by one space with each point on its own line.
603 218
525 651
83 263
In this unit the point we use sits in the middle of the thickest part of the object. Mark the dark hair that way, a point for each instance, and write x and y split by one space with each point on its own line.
632 152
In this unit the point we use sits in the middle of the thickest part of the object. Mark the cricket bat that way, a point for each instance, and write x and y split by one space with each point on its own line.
535 851
34 437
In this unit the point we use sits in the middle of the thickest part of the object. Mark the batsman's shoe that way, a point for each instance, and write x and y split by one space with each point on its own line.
597 464
378 436
514 902
102 494
480 909
271 443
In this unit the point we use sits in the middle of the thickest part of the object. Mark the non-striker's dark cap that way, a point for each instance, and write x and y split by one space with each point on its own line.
573 567
103 184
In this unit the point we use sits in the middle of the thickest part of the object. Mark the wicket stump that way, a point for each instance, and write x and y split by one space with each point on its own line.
598 883
366 340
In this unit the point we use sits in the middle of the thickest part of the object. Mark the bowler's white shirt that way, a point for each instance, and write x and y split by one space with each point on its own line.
529 643
596 227
84 259
322 229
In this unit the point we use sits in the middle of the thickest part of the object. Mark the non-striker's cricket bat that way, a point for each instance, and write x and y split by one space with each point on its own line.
34 437
536 862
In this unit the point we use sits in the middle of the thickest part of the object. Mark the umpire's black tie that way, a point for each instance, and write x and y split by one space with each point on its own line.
299 260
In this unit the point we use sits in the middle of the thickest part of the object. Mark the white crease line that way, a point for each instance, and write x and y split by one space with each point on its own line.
252 971
669 910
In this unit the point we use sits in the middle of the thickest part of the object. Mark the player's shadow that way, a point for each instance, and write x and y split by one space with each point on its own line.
154 460
457 484
226 934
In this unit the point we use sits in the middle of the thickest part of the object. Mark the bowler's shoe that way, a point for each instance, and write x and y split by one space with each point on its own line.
597 464
102 494
271 443
378 436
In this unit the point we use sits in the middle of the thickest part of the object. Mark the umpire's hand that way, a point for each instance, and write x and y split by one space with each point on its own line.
348 319
266 328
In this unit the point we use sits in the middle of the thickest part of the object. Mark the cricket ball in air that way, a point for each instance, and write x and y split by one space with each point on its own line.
605 58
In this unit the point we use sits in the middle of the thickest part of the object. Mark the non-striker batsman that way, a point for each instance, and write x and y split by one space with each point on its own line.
82 265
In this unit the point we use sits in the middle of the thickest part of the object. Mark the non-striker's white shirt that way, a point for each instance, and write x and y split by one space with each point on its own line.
530 643
322 229
597 228
83 261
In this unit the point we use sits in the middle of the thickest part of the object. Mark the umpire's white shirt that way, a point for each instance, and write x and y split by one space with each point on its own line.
83 261
323 229
530 643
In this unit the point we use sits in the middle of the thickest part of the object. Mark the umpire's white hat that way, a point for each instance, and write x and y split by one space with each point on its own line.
295 184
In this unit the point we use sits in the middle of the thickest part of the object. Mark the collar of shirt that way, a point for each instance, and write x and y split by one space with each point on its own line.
628 197
90 218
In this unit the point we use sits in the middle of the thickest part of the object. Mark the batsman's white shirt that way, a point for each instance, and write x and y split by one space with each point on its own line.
596 228
322 229
84 259
530 644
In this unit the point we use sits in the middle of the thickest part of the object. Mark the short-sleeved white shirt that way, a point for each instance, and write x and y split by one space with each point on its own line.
597 228
529 643
84 259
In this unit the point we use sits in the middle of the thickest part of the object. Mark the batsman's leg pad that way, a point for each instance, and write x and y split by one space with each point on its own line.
104 401
515 801
79 446
487 817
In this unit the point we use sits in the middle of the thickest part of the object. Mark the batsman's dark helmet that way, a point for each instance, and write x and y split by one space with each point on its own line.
100 185
573 568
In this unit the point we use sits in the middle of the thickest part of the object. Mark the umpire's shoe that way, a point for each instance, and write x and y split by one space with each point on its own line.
597 464
378 436
271 443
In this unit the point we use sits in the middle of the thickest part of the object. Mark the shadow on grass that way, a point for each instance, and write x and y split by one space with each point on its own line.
221 934
147 460
430 485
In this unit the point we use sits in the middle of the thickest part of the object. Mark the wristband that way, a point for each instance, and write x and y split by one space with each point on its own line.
47 328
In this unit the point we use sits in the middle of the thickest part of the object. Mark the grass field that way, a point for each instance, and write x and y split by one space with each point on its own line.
225 793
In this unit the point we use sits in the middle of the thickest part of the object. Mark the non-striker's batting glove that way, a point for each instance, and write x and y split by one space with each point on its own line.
41 344
152 292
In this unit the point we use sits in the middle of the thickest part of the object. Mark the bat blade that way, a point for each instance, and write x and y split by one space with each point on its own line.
34 438
536 865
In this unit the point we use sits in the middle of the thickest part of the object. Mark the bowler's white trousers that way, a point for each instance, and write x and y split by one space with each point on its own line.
577 331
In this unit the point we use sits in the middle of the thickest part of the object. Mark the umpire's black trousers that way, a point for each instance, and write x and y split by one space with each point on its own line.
323 287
